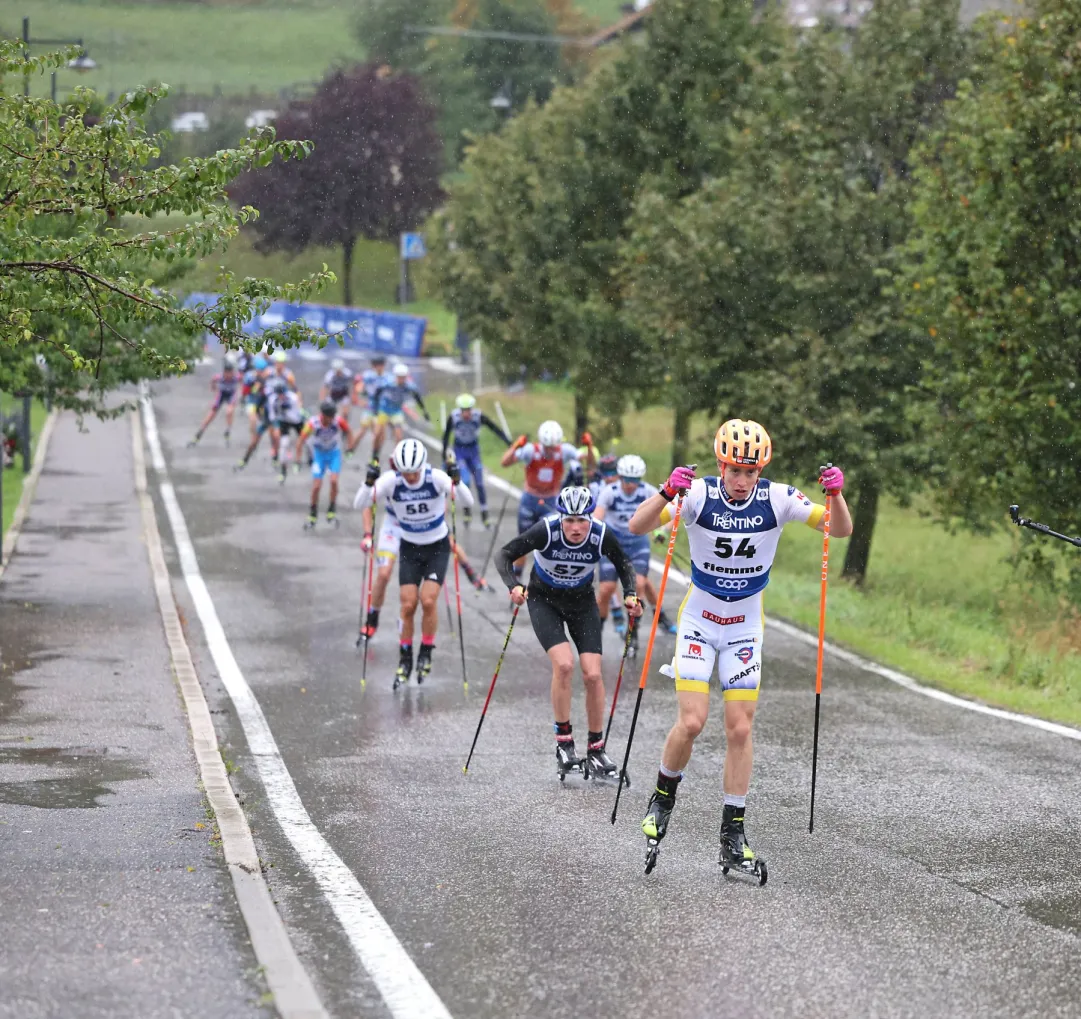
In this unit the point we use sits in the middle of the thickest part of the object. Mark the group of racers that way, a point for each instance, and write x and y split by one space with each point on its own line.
573 530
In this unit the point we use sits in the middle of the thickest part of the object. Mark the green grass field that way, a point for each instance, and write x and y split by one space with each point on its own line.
237 46
945 608
13 476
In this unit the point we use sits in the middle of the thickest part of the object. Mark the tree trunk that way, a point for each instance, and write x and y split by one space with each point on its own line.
863 526
347 270
681 430
581 415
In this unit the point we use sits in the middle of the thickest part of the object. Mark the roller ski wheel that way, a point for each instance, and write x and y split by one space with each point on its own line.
567 761
424 662
193 443
309 524
737 856
333 521
237 468
653 850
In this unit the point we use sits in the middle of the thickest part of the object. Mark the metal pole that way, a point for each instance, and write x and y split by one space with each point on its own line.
52 86
26 435
476 366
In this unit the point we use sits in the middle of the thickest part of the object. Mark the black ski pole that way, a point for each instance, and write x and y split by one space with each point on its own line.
1032 525
457 583
615 693
495 676
495 533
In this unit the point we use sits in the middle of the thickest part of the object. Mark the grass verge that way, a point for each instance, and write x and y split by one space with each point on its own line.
13 476
946 608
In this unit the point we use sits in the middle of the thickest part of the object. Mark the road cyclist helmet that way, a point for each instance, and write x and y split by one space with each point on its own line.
409 456
550 434
741 443
575 501
631 467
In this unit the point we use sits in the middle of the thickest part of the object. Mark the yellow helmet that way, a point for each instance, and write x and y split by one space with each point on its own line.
743 444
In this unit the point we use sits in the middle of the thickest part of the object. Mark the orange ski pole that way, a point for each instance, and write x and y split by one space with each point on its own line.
649 650
821 646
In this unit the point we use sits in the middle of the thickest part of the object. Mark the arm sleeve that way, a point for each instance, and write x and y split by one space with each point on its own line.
420 400
525 454
528 541
485 420
446 434
363 499
461 492
367 495
619 559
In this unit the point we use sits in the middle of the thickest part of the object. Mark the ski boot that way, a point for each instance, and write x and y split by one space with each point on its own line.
599 764
405 667
195 442
424 662
239 466
486 521
619 620
567 760
655 823
282 475
332 519
371 624
309 524
467 517
664 623
735 853
226 437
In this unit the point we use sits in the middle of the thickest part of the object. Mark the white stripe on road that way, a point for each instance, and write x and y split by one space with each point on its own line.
846 656
403 987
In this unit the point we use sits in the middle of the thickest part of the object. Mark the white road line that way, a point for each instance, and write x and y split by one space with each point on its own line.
403 987
851 657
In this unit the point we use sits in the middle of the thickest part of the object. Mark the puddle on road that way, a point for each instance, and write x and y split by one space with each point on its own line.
1063 913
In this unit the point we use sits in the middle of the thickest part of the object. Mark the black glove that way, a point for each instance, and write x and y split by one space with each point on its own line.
453 472
371 475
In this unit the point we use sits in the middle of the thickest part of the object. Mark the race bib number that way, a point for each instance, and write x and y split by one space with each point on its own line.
545 474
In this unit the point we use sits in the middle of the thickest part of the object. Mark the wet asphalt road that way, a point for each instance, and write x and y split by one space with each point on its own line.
941 879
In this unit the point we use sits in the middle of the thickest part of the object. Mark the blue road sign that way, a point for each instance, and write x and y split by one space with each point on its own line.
413 246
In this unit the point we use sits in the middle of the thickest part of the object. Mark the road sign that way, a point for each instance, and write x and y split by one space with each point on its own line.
413 247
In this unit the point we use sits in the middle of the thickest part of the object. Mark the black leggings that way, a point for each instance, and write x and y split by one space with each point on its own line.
551 609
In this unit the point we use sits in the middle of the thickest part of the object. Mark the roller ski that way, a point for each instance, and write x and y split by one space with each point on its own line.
467 518
226 437
619 620
567 760
735 854
486 521
309 524
655 823
600 765
424 662
405 667
332 519
195 441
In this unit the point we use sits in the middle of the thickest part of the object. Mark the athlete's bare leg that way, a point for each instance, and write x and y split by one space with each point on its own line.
605 590
382 578
693 712
594 683
429 605
410 597
562 659
739 756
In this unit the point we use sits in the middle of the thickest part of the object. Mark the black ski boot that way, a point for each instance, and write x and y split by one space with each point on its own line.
226 436
424 662
566 758
371 624
735 854
309 524
599 764
664 623
467 517
655 823
332 519
405 666
485 520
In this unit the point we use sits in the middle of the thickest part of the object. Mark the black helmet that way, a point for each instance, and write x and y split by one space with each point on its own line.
329 408
607 464
379 359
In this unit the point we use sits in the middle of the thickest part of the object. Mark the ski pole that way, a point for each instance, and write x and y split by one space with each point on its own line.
457 583
619 681
495 532
502 418
821 643
366 590
495 676
1015 516
446 598
368 604
649 648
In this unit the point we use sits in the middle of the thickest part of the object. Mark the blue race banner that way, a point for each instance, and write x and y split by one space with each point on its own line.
386 332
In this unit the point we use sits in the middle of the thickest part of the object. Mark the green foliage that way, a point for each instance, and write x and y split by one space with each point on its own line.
992 273
86 299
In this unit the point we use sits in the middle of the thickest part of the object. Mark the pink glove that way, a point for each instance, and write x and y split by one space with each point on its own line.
832 480
678 481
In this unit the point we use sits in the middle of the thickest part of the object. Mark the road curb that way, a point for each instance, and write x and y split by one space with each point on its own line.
295 996
30 485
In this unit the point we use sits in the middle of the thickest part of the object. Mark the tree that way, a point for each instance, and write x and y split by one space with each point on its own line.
374 171
769 280
992 273
540 216
85 275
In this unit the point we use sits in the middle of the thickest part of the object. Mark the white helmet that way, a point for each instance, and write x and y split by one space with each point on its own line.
575 501
410 455
337 364
400 370
631 466
550 433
